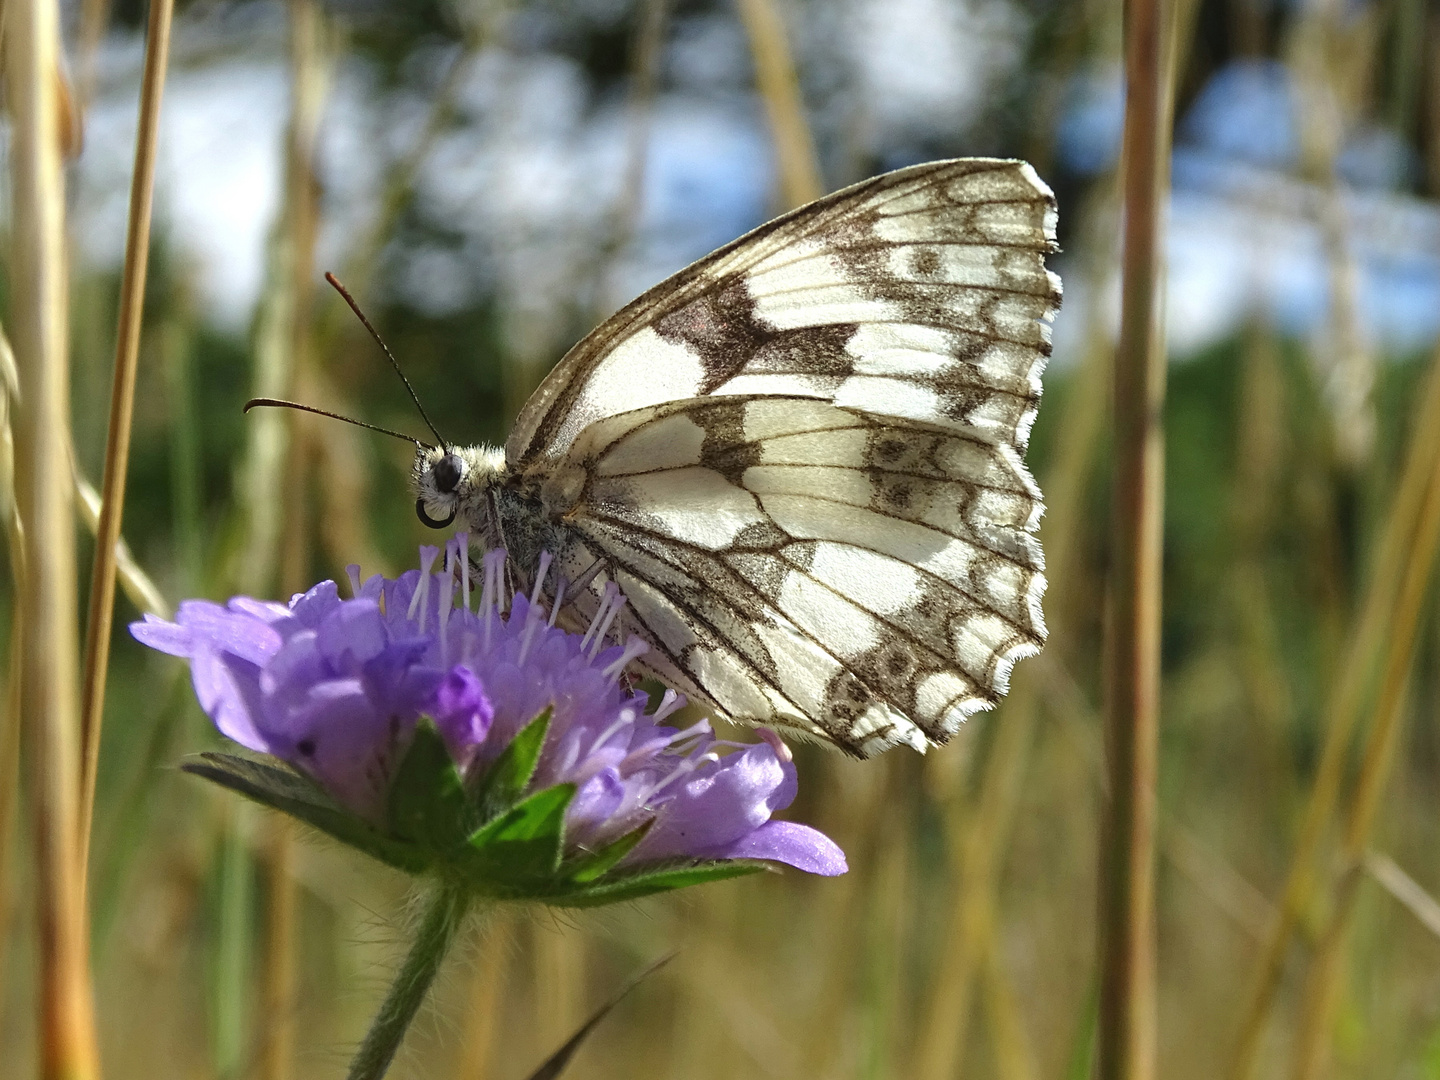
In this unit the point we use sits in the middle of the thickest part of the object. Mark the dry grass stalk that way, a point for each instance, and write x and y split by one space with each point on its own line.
1013 1059
139 587
644 75
270 431
484 999
645 54
800 179
122 407
1331 54
44 501
277 1048
970 937
1325 979
1126 1042
10 720
984 835
309 77
1409 892
1342 712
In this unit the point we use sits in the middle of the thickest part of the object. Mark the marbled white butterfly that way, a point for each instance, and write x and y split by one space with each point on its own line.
800 460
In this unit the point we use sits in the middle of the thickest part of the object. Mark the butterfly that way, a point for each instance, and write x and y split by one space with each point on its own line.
801 460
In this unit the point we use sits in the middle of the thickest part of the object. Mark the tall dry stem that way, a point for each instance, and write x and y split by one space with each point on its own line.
1126 1044
122 408
779 87
1342 711
980 837
44 500
1326 976
10 719
309 76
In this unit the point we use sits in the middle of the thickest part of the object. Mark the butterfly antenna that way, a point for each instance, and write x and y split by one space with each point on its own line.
280 403
334 281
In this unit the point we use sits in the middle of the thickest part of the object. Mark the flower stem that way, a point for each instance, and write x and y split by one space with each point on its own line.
444 914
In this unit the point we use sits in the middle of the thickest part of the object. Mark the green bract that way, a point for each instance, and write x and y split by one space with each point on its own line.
490 836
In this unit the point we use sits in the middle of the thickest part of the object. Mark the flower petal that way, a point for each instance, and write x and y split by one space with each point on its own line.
352 633
789 842
163 636
346 744
462 711
228 689
719 806
227 631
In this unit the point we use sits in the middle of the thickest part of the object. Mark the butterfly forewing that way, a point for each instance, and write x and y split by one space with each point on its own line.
801 458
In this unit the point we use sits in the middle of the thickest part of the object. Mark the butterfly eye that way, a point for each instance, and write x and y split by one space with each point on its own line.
446 473
426 519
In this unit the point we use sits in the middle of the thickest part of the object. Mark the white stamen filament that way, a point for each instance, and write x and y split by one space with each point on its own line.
668 704
660 745
462 545
633 648
561 584
533 615
683 769
419 601
490 595
607 600
353 573
447 599
624 719
533 620
604 625
540 578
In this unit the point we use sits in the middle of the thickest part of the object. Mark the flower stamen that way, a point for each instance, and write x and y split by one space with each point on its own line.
534 613
633 648
428 555
490 597
602 614
462 546
447 599
669 703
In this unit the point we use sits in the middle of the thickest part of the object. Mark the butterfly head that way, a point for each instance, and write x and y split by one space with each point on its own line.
452 482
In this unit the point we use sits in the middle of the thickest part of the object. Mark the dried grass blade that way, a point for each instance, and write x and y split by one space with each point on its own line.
122 406
1404 888
1325 979
39 318
10 719
138 585
1126 1047
779 86
1342 712
556 1062
982 837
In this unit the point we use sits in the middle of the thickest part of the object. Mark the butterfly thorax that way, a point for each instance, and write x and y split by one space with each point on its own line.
475 486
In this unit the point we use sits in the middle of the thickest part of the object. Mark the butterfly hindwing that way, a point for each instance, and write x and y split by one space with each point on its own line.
856 578
801 458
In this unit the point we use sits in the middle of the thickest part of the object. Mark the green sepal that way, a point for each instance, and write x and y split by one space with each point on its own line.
290 793
518 853
592 864
427 803
646 881
504 782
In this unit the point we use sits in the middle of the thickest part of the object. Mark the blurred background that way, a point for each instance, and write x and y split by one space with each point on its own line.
493 177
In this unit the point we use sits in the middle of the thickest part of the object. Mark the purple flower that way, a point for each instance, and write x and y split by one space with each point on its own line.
337 689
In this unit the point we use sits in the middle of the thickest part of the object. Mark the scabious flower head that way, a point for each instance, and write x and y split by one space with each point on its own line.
448 738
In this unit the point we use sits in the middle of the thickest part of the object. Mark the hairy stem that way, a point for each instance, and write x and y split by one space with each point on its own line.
444 915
